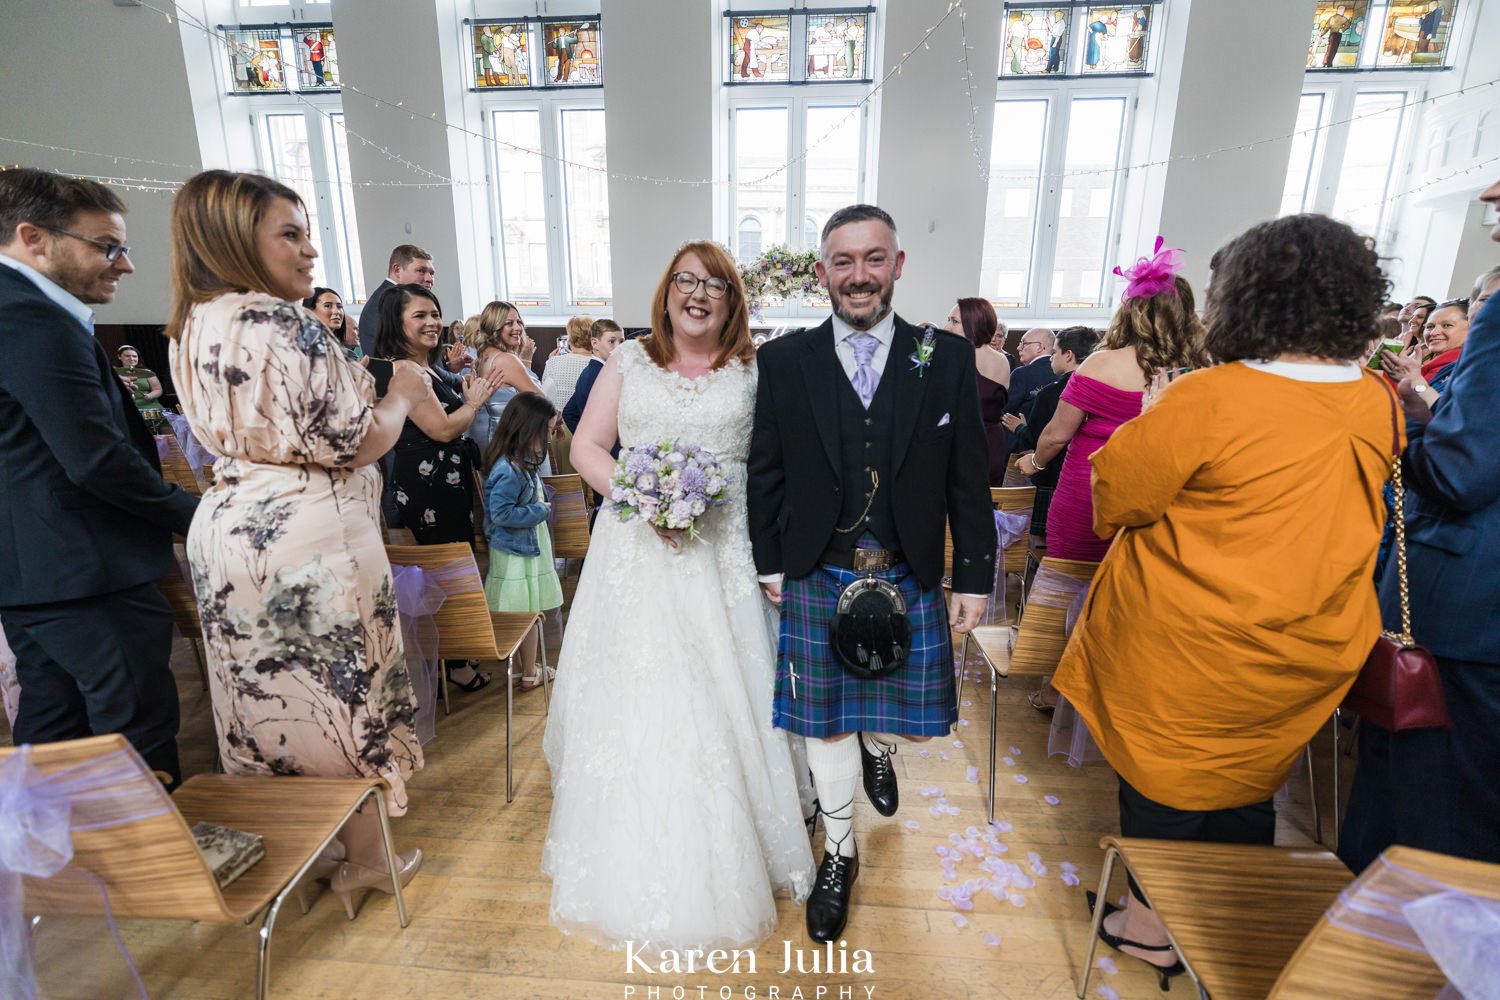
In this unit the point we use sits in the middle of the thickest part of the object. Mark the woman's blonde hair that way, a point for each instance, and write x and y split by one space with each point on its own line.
1164 330
734 339
487 333
471 331
213 239
579 339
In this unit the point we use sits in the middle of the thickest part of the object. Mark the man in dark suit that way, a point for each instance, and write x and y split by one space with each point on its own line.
867 440
1035 371
409 265
86 521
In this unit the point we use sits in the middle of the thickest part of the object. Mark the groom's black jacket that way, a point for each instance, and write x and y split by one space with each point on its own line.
938 453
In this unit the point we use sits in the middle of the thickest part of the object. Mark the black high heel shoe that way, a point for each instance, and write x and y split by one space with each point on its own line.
1165 974
473 683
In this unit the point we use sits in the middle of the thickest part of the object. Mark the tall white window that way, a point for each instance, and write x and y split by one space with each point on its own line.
1051 218
1352 167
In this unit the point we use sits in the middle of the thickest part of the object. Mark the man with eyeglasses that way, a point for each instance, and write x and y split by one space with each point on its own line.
86 521
1034 372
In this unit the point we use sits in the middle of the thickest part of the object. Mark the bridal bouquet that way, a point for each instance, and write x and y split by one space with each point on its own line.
671 485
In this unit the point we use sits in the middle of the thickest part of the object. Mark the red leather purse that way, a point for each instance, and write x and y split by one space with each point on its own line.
1399 686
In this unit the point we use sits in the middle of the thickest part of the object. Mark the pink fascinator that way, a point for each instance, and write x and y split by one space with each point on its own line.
1151 276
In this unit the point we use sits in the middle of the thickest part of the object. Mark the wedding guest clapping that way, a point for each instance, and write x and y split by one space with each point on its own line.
299 620
328 306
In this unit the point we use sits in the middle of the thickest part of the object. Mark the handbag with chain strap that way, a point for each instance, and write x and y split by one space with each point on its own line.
1399 686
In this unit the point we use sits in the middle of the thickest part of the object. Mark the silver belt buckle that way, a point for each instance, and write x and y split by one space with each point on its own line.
871 560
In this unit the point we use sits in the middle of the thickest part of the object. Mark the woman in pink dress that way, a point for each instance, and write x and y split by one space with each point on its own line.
1156 330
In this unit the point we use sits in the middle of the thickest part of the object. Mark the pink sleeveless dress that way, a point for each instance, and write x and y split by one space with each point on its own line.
1070 520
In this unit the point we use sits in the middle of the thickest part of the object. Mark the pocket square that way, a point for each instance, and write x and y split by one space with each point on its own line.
943 422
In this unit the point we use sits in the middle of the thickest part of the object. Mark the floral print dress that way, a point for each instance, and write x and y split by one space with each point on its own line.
300 625
432 481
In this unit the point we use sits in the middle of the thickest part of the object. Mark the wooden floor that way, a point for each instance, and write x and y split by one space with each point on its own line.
478 909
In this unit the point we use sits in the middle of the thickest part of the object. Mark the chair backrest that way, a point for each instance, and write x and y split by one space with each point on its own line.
177 588
151 866
1042 635
570 517
175 467
1014 500
463 621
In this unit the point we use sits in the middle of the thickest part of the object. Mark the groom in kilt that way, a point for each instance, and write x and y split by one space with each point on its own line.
867 444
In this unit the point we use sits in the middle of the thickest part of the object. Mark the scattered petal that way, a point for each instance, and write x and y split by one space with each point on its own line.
912 824
1008 762
1051 800
1021 779
993 940
962 903
959 920
944 893
971 775
1015 751
963 722
972 831
1016 899
1002 826
1107 965
951 810
943 756
1108 993
924 753
930 791
967 703
1068 878
1068 866
958 744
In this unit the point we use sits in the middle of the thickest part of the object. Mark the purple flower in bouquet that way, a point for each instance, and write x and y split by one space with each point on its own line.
671 484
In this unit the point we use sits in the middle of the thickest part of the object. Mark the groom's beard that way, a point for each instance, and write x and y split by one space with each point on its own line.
866 320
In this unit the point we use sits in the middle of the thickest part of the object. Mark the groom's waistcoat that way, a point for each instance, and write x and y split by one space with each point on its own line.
867 437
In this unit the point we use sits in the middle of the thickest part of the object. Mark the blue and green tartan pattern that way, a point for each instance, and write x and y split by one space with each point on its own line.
826 699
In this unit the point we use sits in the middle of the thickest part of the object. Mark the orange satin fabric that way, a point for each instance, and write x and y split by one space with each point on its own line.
1233 612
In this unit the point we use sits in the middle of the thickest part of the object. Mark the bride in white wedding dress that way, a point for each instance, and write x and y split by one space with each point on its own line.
676 811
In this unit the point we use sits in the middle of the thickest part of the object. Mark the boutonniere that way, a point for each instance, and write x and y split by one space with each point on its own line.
922 357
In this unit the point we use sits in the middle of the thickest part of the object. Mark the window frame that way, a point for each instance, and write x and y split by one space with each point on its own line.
550 104
1059 93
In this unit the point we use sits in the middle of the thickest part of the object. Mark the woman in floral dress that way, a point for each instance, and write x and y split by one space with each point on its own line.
300 627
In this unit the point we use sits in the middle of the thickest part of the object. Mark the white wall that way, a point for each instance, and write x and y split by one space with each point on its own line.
127 96
661 120
928 178
393 49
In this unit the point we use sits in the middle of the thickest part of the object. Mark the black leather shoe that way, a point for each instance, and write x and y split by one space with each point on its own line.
880 779
828 903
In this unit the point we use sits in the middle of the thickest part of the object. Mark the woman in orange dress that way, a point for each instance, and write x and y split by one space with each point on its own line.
1235 607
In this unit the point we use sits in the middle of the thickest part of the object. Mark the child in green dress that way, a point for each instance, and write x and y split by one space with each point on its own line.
521 575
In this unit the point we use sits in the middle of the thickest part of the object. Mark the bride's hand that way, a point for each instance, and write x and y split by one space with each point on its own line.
672 536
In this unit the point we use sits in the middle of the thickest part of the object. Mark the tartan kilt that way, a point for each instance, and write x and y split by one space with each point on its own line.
827 700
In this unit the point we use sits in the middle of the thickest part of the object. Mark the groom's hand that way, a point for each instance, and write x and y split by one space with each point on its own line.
965 611
772 592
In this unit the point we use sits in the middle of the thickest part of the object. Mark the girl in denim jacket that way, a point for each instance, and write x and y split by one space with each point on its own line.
521 575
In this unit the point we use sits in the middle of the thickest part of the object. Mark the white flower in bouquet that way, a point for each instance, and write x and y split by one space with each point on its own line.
670 485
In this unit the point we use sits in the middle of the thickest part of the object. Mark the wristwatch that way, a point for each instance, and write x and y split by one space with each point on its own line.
1419 389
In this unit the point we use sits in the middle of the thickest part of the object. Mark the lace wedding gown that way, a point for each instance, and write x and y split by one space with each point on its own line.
676 812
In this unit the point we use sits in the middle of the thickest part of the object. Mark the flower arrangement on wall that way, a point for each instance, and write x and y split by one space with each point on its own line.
778 274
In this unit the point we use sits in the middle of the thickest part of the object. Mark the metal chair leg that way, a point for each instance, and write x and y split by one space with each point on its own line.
202 666
443 685
1338 763
1312 793
510 706
390 856
541 657
963 670
1097 922
994 734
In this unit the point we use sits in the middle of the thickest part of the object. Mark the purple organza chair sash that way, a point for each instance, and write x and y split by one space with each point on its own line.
197 455
1402 908
37 818
418 598
1010 527
1068 735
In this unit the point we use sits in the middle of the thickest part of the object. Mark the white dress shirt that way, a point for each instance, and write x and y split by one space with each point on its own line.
57 293
884 331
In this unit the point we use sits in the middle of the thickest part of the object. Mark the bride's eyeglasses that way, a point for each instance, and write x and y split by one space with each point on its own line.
687 283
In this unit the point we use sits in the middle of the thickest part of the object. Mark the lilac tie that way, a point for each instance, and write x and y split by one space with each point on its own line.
865 379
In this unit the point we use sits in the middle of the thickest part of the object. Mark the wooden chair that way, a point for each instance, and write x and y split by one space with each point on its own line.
570 517
1038 646
151 866
469 630
1368 969
1235 913
1010 500
177 588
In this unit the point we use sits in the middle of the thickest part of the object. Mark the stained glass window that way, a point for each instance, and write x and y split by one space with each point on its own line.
836 46
760 48
255 61
572 49
1115 39
1036 41
502 55
1416 34
1337 31
317 60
